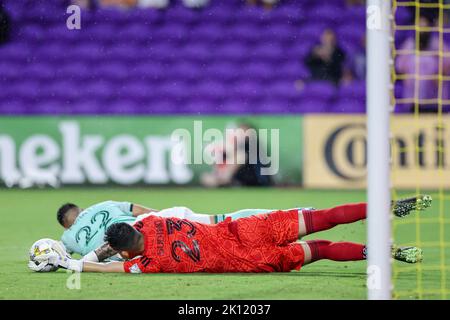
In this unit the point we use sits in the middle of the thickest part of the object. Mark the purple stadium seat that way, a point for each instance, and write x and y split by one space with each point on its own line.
182 70
197 53
313 30
323 90
329 13
354 90
247 90
226 58
351 32
39 71
267 51
258 71
348 106
403 15
311 106
10 107
113 71
289 15
235 105
271 105
15 52
224 71
233 52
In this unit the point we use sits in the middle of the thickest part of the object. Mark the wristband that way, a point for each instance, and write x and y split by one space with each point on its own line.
91 257
71 264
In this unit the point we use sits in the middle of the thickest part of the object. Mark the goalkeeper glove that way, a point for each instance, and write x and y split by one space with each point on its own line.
55 259
37 267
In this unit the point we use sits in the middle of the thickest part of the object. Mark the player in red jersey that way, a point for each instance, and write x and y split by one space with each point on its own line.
261 243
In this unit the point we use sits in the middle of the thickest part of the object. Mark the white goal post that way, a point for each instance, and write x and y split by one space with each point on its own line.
379 61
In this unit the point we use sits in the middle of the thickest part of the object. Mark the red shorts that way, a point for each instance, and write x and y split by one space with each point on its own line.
272 237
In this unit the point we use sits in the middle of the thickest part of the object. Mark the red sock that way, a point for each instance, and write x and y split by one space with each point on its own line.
336 251
318 220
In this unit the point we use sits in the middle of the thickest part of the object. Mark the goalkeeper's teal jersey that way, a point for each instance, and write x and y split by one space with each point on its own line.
88 230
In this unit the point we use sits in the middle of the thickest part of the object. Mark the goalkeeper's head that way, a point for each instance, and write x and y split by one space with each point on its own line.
125 239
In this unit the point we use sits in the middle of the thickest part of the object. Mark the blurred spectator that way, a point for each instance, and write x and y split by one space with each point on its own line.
195 3
268 4
428 65
84 4
355 68
162 4
356 2
117 3
158 4
233 172
325 61
4 25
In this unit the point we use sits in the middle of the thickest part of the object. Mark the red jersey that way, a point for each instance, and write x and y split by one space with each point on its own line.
261 243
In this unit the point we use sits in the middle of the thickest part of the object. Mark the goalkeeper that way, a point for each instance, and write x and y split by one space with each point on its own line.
260 243
85 228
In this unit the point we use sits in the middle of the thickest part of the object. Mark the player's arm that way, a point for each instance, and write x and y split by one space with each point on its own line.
138 210
109 267
68 263
132 209
101 253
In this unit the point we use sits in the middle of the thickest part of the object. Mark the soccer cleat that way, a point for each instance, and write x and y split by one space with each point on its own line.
403 207
407 254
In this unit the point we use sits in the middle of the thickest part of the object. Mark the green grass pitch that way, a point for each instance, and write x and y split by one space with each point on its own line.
28 215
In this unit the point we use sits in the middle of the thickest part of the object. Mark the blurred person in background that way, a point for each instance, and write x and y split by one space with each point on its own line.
325 61
233 172
117 3
4 25
355 2
268 4
157 4
84 4
162 4
355 68
428 65
195 3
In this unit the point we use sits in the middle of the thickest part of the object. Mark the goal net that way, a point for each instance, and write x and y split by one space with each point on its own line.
420 143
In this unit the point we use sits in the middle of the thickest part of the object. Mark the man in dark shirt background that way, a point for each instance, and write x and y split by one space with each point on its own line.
325 61
4 25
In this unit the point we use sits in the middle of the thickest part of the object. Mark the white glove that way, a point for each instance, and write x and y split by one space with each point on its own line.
55 259
36 267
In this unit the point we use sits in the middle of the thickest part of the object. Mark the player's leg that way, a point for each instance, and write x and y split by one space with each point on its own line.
286 226
310 221
348 251
185 213
404 207
214 219
315 250
245 213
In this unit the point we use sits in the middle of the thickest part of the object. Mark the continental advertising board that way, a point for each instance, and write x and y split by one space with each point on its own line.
335 154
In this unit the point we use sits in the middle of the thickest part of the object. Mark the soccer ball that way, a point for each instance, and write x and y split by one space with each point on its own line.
45 246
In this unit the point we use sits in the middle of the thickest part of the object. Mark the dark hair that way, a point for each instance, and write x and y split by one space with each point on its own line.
122 236
62 212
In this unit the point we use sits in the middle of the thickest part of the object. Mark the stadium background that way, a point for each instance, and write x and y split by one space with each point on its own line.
131 76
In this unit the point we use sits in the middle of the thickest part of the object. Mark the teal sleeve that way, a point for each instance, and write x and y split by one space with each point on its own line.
69 243
125 207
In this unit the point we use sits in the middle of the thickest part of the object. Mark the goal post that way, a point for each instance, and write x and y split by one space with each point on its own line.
378 149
